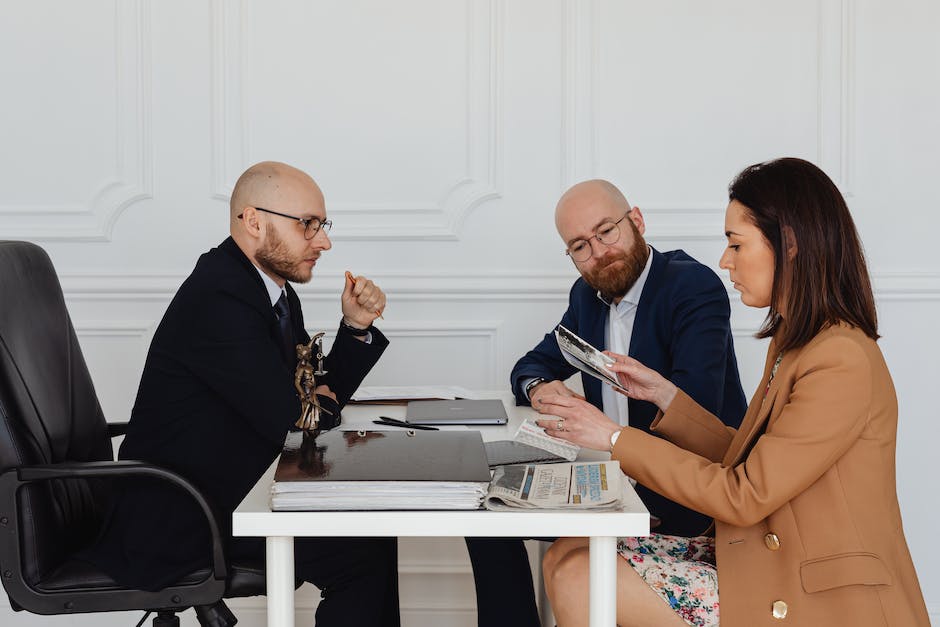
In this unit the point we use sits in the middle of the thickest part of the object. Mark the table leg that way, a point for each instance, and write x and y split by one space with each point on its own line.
280 578
603 581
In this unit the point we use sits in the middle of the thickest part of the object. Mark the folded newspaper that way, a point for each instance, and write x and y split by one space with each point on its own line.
533 435
574 486
585 357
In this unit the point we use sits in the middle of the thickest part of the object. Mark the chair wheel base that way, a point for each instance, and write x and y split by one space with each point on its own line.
215 615
166 619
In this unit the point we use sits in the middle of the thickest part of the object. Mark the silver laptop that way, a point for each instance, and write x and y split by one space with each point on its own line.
457 412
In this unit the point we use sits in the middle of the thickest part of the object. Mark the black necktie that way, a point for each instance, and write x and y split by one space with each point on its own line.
282 310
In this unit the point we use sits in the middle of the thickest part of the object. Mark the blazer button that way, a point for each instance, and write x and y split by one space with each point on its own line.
780 610
772 541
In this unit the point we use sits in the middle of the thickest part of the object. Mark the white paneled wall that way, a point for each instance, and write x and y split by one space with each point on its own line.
442 133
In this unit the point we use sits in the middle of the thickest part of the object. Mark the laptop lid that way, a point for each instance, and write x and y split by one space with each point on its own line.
457 412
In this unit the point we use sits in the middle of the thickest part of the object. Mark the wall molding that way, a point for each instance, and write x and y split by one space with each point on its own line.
435 568
835 110
113 328
442 286
427 219
487 330
835 148
93 220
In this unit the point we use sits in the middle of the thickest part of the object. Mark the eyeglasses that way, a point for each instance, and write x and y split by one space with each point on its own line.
607 234
311 226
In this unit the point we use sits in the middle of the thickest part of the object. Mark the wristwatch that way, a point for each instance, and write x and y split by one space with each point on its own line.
355 330
531 384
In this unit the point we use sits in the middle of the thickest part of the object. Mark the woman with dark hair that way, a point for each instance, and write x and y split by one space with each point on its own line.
807 525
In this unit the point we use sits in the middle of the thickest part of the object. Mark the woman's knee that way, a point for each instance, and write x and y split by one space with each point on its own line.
555 553
568 572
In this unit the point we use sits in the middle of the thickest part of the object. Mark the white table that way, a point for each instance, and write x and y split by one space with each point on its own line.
255 518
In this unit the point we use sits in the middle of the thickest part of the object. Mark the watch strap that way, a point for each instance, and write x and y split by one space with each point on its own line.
355 330
531 384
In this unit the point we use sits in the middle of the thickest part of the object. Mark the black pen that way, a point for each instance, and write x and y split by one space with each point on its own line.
396 422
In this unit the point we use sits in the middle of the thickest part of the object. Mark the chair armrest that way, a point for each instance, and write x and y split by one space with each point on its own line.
117 428
12 480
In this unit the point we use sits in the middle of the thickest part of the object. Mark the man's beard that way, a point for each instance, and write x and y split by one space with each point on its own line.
614 281
274 257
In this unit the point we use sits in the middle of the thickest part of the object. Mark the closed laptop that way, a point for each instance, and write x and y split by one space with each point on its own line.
457 412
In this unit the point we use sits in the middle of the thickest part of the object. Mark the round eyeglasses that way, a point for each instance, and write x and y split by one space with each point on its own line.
311 226
607 234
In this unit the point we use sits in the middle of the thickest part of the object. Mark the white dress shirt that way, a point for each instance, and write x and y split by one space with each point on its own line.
617 336
274 290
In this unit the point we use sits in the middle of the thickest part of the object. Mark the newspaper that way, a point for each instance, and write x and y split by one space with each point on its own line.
585 357
574 486
534 435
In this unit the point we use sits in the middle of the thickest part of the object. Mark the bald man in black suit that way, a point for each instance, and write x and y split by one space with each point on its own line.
216 400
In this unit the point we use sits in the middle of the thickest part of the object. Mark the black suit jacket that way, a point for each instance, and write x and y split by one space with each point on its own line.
215 402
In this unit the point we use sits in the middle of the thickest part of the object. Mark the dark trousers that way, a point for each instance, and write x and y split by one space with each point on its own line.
503 581
357 577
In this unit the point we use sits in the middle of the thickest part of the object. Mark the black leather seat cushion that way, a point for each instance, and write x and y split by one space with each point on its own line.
77 575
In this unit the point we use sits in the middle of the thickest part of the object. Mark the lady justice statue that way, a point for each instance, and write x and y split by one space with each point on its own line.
305 383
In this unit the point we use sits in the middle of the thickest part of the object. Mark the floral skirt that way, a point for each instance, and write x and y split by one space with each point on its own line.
681 570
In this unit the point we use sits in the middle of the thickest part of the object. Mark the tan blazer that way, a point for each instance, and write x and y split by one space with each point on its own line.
807 525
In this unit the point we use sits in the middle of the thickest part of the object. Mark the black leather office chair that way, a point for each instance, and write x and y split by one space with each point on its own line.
57 464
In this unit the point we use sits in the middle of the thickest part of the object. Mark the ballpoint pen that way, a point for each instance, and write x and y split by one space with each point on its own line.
396 422
349 275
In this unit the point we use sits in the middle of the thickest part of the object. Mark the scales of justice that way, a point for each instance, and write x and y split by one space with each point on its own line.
305 382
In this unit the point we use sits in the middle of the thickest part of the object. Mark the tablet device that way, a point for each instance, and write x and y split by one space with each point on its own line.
461 411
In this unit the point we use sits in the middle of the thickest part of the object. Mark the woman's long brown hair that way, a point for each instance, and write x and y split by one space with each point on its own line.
793 202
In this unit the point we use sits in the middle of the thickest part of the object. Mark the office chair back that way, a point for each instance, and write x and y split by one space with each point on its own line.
49 412
56 464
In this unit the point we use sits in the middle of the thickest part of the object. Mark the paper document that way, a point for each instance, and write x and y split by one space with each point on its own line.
410 392
534 435
585 357
581 485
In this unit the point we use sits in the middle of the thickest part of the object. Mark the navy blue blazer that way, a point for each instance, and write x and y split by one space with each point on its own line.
681 330
216 400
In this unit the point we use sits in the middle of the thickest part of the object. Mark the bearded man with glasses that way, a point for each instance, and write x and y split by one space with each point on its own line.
217 398
665 309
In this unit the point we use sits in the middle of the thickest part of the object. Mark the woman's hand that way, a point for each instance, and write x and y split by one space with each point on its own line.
576 420
642 383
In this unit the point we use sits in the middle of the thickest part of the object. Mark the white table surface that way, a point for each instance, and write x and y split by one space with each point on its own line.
254 517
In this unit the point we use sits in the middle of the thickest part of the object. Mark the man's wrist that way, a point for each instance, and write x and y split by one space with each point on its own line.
531 385
353 327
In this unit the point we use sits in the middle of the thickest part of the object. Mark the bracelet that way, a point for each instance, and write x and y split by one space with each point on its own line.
354 330
613 439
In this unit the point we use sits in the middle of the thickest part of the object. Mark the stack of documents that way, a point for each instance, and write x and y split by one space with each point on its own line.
381 470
